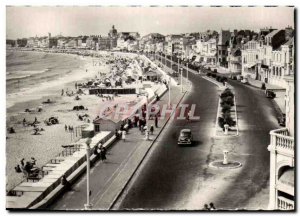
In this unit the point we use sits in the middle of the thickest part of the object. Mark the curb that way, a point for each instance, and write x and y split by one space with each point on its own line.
239 164
139 164
236 120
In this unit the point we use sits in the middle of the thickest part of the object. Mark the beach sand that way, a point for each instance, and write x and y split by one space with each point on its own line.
23 144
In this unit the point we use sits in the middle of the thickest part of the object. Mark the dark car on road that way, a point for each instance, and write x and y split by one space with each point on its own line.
270 94
281 120
185 137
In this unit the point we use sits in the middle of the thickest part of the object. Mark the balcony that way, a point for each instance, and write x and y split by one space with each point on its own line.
281 141
284 203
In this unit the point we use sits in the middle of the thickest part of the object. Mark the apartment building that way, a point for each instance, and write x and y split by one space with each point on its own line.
282 157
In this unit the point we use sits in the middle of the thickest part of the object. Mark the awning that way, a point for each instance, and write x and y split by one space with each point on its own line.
265 66
287 178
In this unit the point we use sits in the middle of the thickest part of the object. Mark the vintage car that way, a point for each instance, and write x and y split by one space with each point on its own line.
185 137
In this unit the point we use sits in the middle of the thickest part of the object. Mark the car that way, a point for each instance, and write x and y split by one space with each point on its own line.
270 94
185 137
244 80
281 120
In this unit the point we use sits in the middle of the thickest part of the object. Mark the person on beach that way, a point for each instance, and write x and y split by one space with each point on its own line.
33 161
24 122
66 128
18 169
22 162
62 92
76 85
205 207
211 206
69 128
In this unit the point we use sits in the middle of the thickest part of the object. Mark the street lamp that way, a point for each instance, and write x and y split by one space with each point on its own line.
181 69
169 91
88 205
147 118
187 72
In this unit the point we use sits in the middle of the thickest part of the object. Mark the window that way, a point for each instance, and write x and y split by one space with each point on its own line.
97 128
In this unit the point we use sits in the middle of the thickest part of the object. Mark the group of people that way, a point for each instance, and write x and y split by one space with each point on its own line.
209 207
29 166
69 128
100 152
108 97
67 93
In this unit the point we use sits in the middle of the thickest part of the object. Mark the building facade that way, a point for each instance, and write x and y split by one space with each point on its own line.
222 47
282 162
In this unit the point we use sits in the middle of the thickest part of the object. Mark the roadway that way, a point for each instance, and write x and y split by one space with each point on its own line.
174 177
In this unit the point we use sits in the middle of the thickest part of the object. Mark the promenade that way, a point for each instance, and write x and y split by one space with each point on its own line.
109 178
126 156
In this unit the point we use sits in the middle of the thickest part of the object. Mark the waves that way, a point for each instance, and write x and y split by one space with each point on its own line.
17 75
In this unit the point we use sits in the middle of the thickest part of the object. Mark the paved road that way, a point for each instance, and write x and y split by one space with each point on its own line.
176 177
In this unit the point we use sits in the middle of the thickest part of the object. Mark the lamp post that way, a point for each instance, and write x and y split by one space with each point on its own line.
181 69
187 72
169 84
88 205
147 118
166 60
171 62
178 65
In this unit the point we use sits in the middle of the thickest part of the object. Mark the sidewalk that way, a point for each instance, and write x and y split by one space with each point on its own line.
279 91
108 179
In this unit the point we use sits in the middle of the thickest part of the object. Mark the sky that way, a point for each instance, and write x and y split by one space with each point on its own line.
22 21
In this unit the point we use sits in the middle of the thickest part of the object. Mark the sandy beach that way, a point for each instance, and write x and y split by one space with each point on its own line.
23 144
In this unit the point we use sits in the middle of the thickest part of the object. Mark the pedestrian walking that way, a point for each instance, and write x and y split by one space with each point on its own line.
151 129
156 121
117 134
102 148
123 135
97 152
65 182
102 155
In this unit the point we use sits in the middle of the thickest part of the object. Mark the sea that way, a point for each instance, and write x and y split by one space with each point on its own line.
29 75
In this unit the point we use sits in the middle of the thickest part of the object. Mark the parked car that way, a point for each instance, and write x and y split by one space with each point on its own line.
185 137
239 77
270 94
281 120
244 80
